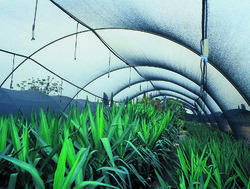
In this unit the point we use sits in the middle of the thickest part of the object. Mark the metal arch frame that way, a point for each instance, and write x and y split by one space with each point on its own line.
185 88
188 106
83 89
181 93
118 57
117 69
166 80
44 67
28 57
204 119
72 83
185 104
133 83
138 94
78 86
168 89
154 33
101 39
151 90
206 110
173 96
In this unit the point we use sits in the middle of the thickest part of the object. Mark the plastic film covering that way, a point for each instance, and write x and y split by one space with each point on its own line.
16 19
154 73
109 85
143 49
141 87
167 18
175 88
181 22
92 60
228 34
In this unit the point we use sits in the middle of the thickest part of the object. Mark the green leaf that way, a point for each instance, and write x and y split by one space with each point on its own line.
133 146
12 181
161 181
108 150
15 138
93 183
3 133
116 170
94 130
29 168
81 158
61 166
25 142
216 172
44 128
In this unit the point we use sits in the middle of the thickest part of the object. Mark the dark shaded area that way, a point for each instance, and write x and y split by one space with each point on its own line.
239 120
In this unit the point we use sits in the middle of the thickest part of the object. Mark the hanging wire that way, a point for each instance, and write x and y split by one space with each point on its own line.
34 22
129 77
140 87
76 40
109 63
204 50
13 66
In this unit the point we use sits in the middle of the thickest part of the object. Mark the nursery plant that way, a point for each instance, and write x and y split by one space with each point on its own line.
81 148
212 159
133 145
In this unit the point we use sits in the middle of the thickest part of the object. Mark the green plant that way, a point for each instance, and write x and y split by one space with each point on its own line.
65 151
219 158
118 147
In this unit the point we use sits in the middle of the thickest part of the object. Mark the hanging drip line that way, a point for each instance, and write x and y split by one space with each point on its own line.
34 22
109 64
13 66
204 49
140 87
76 40
129 76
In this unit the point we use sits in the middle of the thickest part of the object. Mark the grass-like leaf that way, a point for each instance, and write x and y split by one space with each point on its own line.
27 167
15 138
108 150
61 167
93 183
3 133
77 166
12 181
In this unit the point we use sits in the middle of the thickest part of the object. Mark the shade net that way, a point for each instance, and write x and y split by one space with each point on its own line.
126 48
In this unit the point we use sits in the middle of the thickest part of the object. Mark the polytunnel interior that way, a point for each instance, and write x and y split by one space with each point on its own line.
126 49
124 94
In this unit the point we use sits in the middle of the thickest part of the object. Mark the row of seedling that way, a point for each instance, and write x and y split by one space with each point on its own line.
115 147
209 158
